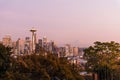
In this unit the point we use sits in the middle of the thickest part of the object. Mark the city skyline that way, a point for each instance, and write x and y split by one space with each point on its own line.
79 22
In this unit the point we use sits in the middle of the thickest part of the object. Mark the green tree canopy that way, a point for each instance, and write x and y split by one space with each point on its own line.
103 59
35 67
4 59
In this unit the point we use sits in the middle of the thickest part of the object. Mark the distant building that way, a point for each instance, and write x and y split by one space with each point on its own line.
53 47
7 41
81 52
62 51
45 42
68 50
50 46
45 39
14 47
27 46
20 46
40 42
75 51
37 48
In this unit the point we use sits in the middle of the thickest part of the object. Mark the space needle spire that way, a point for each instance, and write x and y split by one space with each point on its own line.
33 30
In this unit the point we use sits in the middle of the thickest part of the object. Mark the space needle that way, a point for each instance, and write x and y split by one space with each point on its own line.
33 30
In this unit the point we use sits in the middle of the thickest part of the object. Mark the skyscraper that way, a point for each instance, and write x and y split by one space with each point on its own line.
33 30
45 42
40 42
20 46
27 46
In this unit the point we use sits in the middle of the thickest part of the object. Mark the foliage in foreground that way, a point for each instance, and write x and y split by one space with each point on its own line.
35 67
104 60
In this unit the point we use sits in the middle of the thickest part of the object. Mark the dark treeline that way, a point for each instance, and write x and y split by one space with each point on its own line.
35 67
103 60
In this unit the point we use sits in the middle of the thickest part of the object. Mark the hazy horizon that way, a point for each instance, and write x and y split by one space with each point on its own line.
78 22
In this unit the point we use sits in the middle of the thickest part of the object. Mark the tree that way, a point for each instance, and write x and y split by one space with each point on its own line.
35 67
103 59
4 59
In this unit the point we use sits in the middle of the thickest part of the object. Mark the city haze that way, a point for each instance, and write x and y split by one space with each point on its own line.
78 22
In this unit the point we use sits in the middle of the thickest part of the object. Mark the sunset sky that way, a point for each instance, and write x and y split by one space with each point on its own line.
78 22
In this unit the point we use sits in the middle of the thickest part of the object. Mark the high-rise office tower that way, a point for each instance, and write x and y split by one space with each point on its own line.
27 47
40 42
45 42
33 30
20 46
